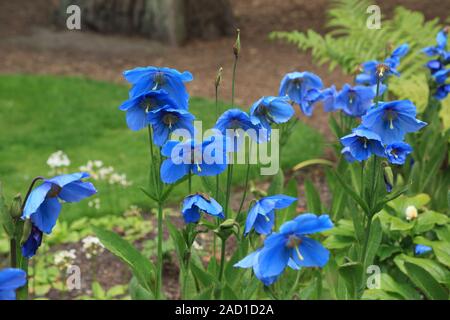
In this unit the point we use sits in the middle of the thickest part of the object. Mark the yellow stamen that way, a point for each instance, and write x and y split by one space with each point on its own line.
298 253
391 125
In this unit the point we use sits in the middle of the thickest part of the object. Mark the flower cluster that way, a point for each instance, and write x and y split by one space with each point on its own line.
437 66
98 171
383 124
43 206
64 259
58 162
92 247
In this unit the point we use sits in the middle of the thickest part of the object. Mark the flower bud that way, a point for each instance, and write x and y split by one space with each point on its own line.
411 213
219 77
16 206
388 176
27 226
237 44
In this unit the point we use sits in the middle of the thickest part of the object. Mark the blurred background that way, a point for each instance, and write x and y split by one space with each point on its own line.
60 89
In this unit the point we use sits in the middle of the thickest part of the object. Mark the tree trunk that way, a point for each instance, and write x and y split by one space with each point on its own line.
171 21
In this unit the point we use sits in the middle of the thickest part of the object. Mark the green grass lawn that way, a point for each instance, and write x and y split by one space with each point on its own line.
42 114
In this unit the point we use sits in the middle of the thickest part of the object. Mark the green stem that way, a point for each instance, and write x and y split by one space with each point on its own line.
160 253
222 259
153 162
233 80
228 193
247 175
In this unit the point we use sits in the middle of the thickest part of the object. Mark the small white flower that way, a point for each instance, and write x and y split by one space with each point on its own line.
92 246
64 259
411 213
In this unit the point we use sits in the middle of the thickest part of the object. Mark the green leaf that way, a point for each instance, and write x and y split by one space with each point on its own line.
374 240
427 220
5 217
311 162
404 289
394 223
228 293
352 193
312 197
137 292
205 278
276 187
352 274
438 272
427 284
440 248
98 291
142 268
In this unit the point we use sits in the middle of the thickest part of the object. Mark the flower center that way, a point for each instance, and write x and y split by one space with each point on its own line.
148 104
294 242
54 191
170 119
390 116
381 69
158 78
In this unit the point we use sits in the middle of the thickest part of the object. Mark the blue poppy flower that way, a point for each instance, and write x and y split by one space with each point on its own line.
441 76
440 48
397 152
172 81
32 244
43 207
329 99
355 101
290 243
392 120
195 204
261 216
362 143
10 280
251 261
237 120
139 106
421 249
434 66
373 70
295 85
442 91
207 158
268 110
167 119
311 98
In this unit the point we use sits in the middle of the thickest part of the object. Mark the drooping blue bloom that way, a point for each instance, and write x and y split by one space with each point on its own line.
43 207
434 66
421 249
373 70
32 244
167 119
10 280
311 98
441 76
138 107
207 158
170 80
392 120
290 243
329 99
195 204
355 101
348 155
397 152
442 91
251 261
297 86
268 110
362 143
440 48
261 216
236 123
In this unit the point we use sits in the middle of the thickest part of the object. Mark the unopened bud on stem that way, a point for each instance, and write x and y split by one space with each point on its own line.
219 77
16 206
237 44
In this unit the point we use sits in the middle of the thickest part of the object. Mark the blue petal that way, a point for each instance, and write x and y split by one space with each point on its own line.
309 223
171 173
36 198
47 214
249 261
7 295
191 215
12 278
313 254
264 223
251 218
274 256
77 191
30 247
136 118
